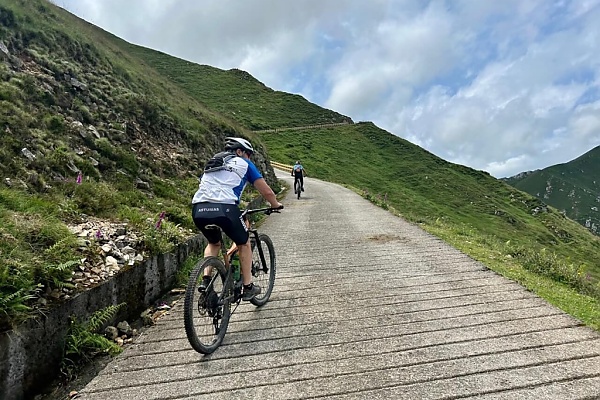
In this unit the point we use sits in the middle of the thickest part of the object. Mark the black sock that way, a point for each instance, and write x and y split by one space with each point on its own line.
249 286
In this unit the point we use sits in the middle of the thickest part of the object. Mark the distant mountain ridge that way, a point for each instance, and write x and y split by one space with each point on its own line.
573 187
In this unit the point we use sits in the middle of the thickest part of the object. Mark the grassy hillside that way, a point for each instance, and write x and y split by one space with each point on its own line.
573 187
511 231
237 95
88 131
138 125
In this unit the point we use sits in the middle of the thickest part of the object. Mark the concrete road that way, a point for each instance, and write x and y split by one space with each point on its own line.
367 306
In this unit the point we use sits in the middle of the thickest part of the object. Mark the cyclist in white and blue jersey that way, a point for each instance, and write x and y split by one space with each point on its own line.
298 172
216 203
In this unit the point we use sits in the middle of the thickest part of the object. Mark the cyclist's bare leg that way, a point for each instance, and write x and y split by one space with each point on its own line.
211 250
245 252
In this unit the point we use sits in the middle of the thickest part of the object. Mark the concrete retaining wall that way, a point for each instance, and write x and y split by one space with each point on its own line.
30 355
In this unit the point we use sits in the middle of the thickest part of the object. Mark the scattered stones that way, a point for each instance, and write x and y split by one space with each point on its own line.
109 246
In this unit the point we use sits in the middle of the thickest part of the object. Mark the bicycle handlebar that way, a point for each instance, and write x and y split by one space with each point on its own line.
266 210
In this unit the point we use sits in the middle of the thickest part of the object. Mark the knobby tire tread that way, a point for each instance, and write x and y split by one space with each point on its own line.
270 258
190 305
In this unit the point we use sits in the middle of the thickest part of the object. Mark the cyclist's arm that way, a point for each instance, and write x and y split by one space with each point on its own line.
267 193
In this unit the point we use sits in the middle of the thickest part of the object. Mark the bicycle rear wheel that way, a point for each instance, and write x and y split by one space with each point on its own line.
263 275
206 313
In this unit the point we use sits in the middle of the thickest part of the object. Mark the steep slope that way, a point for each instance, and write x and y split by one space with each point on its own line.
59 73
238 95
90 133
573 187
138 125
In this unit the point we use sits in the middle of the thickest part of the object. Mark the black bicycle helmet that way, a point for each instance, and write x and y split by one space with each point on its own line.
234 143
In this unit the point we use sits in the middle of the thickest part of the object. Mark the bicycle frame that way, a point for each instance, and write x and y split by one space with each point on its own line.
253 232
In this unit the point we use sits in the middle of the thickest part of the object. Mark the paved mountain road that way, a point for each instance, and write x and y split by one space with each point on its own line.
367 306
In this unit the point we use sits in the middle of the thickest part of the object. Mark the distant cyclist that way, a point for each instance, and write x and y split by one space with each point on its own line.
298 172
216 203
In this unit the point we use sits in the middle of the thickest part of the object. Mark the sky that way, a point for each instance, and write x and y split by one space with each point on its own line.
501 86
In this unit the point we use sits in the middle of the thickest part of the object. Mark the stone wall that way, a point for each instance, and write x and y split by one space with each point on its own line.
31 354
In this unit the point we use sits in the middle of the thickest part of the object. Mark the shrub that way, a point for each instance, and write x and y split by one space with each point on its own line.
96 198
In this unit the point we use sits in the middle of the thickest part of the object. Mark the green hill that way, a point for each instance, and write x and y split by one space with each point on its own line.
572 187
138 125
74 104
237 95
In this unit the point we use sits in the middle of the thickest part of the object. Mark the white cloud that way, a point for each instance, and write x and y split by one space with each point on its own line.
503 86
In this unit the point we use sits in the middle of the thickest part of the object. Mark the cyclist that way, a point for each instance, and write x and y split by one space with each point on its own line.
298 172
216 203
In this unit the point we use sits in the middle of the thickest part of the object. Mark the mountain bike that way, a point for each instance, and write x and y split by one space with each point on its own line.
297 188
206 313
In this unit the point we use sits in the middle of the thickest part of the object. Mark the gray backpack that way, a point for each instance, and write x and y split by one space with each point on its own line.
217 162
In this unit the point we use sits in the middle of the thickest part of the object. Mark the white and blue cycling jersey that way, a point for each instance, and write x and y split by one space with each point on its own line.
226 185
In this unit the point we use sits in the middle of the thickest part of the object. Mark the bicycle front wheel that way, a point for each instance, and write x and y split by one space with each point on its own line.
206 311
263 274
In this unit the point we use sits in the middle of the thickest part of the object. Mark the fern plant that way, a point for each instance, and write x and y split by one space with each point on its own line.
84 341
57 275
13 307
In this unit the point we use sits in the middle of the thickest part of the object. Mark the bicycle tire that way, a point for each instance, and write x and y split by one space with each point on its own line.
205 321
297 189
262 278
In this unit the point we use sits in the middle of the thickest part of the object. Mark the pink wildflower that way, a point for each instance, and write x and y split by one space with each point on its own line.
160 218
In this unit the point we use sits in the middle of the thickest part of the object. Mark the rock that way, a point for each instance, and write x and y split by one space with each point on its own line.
28 154
78 127
4 51
111 332
140 184
146 317
94 131
111 262
78 84
128 250
125 328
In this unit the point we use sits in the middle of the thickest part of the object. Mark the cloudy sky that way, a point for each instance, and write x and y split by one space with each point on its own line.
502 86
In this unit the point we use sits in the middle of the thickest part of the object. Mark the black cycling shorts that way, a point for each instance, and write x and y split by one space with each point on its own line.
226 216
